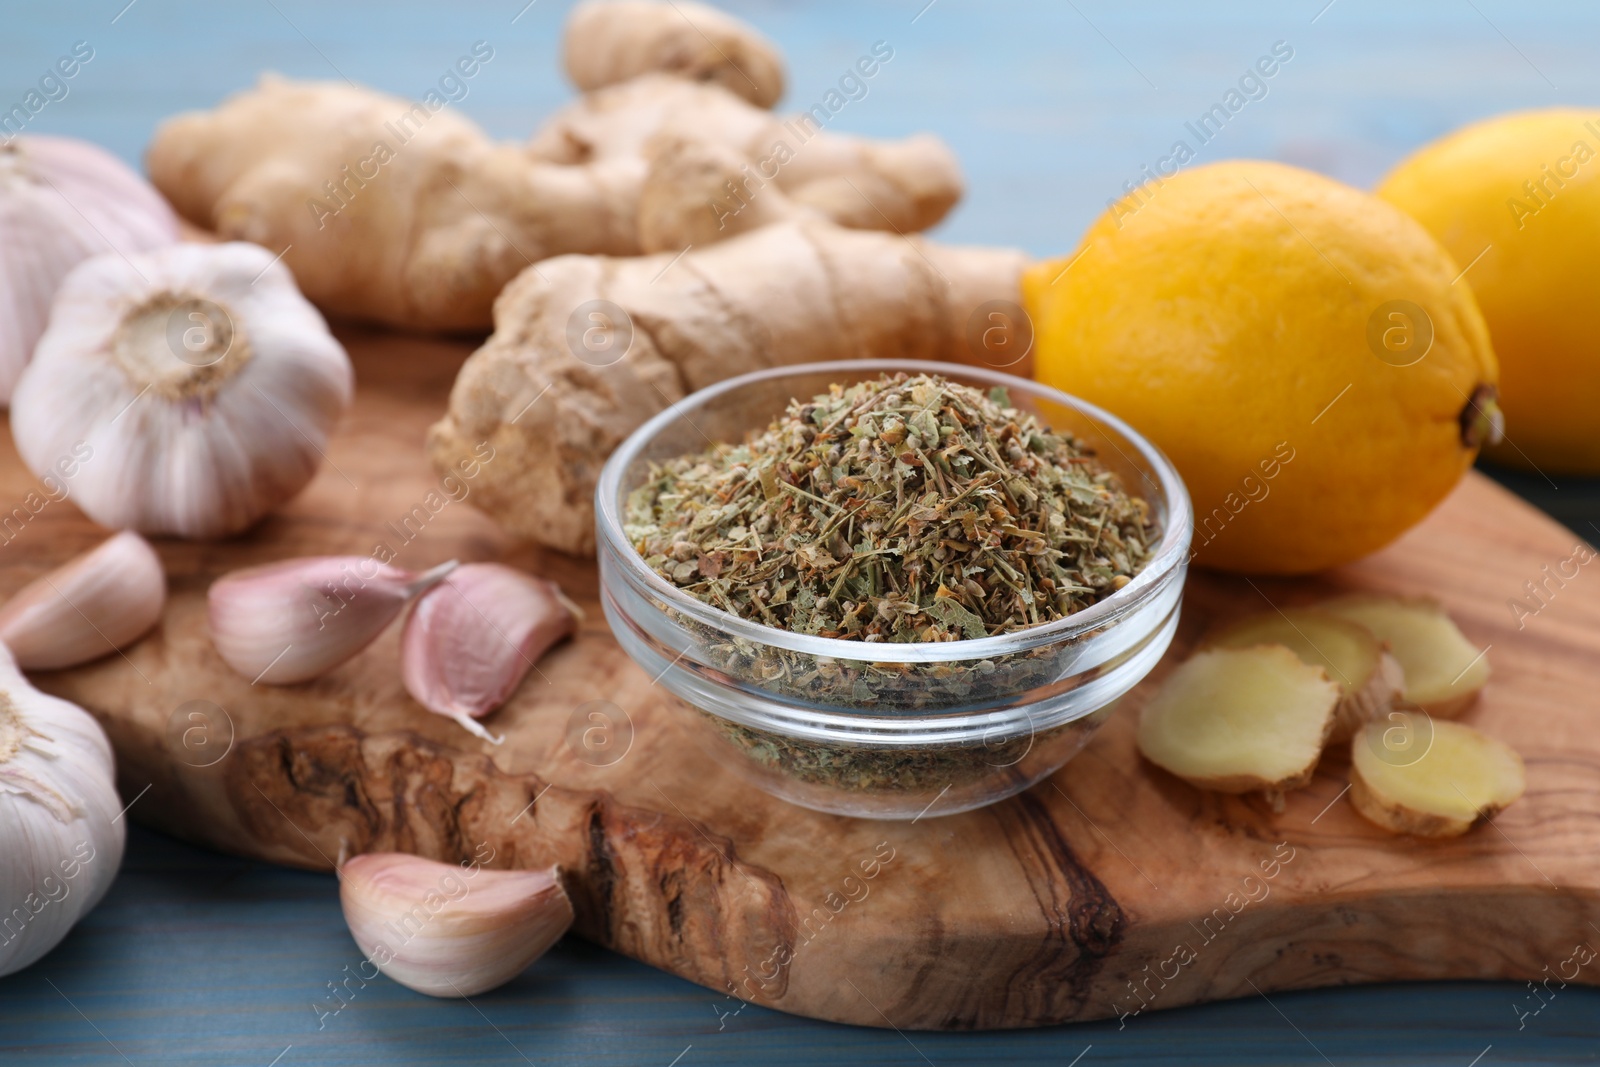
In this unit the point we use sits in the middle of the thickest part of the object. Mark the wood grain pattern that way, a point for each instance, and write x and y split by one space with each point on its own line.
1109 889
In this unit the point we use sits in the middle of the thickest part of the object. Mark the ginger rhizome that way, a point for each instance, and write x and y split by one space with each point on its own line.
408 214
1255 708
587 348
611 41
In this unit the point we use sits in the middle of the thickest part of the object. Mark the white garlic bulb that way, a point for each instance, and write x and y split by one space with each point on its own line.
60 834
202 382
62 201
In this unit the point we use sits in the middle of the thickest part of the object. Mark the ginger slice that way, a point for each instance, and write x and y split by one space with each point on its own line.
1369 678
1443 670
1238 720
1412 775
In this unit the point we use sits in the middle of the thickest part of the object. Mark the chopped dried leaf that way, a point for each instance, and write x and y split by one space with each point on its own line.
904 508
896 510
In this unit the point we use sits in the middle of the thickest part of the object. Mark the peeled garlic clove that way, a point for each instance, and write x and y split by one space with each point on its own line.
471 639
62 201
99 602
289 622
61 837
200 382
450 931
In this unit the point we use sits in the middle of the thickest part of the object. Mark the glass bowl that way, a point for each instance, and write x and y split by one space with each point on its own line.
889 730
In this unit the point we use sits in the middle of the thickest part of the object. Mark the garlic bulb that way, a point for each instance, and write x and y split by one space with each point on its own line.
470 639
202 381
450 931
62 201
60 831
99 602
291 621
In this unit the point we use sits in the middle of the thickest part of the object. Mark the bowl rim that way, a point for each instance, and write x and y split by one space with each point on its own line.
1169 557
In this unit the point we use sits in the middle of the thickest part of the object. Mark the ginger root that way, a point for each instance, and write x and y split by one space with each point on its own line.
611 41
904 186
1370 680
1255 707
1444 672
1412 775
408 214
1240 720
587 348
384 210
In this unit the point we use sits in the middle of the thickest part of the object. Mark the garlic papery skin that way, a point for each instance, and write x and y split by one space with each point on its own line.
471 639
62 201
201 382
450 931
292 621
61 833
102 601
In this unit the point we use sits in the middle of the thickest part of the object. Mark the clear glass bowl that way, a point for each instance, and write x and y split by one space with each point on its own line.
886 730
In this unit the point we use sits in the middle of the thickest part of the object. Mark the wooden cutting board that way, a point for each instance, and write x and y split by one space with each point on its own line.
1110 889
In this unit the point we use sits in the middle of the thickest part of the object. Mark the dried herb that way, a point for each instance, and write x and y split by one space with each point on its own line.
924 769
898 509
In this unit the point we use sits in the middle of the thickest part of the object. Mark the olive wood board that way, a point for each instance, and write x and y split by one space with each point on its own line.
1109 889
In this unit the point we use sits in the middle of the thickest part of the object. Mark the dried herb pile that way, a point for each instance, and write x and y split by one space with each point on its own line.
900 509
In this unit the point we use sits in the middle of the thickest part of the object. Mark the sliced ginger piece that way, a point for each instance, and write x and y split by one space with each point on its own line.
1239 720
1443 670
1369 678
1412 775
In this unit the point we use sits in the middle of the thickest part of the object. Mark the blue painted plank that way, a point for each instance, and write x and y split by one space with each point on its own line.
202 959
1051 107
199 959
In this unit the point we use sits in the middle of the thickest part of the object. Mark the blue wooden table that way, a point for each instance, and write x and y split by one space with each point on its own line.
196 958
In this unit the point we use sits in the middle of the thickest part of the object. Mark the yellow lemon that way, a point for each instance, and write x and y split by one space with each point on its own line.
1296 346
1518 199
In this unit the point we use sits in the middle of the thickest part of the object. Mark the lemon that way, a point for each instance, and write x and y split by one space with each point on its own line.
1518 198
1296 346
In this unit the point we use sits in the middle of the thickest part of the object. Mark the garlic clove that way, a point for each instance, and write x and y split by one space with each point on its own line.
94 605
195 384
61 837
471 639
61 202
450 931
292 621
